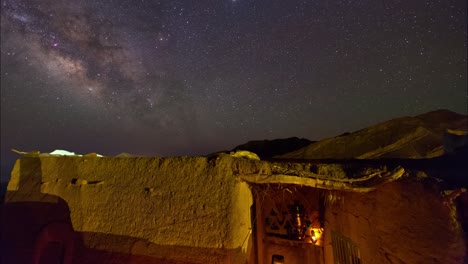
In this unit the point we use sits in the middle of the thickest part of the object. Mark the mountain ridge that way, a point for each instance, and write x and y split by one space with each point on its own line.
420 136
269 148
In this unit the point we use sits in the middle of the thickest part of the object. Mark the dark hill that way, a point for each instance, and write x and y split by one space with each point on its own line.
420 136
269 148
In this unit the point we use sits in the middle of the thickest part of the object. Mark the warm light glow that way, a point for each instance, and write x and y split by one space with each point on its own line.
316 235
314 239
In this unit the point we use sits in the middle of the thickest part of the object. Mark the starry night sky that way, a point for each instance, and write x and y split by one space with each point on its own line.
193 77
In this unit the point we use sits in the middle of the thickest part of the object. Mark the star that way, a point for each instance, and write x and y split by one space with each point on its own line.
183 78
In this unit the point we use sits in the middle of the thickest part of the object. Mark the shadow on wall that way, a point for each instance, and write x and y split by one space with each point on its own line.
41 232
37 228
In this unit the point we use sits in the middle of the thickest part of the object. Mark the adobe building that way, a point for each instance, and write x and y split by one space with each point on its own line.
224 209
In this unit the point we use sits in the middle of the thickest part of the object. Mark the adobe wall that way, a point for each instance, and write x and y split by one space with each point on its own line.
186 208
197 209
406 221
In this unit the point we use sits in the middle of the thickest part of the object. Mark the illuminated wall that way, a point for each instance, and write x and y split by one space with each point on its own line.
406 221
181 209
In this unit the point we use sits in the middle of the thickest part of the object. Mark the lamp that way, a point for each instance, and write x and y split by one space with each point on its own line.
312 236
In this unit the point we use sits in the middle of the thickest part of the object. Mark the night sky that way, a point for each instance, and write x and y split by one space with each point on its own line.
179 77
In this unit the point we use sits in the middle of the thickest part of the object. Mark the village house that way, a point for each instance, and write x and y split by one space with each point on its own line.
225 209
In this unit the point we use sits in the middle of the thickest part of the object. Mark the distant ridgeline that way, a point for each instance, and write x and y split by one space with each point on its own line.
423 136
268 148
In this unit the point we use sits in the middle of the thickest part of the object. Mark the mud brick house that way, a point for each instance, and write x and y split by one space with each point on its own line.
222 209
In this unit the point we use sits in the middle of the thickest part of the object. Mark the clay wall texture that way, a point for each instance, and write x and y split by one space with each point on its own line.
189 203
197 210
406 221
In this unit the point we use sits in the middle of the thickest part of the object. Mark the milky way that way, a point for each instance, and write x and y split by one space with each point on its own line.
193 77
94 55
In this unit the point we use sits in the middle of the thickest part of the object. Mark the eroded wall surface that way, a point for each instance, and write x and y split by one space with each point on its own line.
407 221
197 210
184 209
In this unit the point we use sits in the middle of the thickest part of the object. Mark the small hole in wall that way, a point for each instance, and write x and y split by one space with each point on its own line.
277 259
74 180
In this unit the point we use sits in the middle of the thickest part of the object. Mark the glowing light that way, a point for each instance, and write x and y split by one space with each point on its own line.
315 235
314 239
318 232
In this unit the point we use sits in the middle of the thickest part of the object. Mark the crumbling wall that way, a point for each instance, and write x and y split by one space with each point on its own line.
407 221
138 206
197 210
